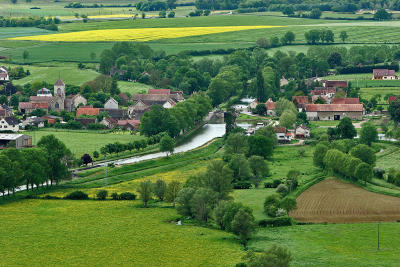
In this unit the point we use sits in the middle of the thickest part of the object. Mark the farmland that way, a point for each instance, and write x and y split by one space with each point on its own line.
113 233
81 142
339 202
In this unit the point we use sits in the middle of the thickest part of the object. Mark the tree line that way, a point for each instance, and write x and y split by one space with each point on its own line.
39 22
46 163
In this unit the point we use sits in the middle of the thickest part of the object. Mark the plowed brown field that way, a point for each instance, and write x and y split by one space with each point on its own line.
335 201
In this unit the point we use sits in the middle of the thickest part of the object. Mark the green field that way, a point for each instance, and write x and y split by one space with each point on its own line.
107 233
81 142
133 88
383 91
335 244
50 72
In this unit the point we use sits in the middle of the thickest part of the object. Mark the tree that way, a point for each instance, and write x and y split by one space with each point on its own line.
14 100
343 36
312 36
346 129
365 153
363 172
230 120
160 188
261 93
319 155
260 145
382 14
288 203
290 37
96 154
262 42
236 143
25 55
288 10
368 134
102 194
202 203
162 14
219 178
274 257
271 204
172 191
335 59
259 168
243 225
86 159
167 144
283 104
184 201
145 190
315 13
261 109
394 111
171 14
287 119
240 167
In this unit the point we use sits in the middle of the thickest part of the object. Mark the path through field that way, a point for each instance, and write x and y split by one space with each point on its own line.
334 201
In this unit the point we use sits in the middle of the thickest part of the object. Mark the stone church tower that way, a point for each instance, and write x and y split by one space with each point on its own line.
59 95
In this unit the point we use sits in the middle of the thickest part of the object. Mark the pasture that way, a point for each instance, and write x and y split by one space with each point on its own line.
107 233
81 142
335 201
370 92
133 87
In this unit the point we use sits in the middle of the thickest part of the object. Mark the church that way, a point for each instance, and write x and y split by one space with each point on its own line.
44 99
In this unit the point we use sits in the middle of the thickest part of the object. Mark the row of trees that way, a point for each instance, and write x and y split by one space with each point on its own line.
34 166
40 22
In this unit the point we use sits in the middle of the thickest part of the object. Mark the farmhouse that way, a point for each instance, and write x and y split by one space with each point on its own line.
110 123
322 92
270 105
4 74
300 101
130 125
302 132
334 111
15 140
111 104
282 135
116 114
384 74
143 102
89 111
28 107
345 100
9 124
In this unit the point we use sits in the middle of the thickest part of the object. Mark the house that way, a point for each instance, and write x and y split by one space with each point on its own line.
124 98
322 92
4 74
115 71
392 98
89 111
302 132
116 114
130 125
5 111
72 102
253 104
9 124
33 121
384 74
28 107
345 100
270 105
110 123
15 140
111 104
335 84
137 110
334 111
86 121
282 135
283 81
177 96
143 103
51 119
300 101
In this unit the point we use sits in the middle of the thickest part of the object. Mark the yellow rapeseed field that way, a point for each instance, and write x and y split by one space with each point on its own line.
141 35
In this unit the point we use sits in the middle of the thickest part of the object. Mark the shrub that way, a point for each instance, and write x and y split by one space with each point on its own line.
77 195
282 189
271 204
378 172
102 194
115 196
127 196
242 185
50 197
272 183
276 222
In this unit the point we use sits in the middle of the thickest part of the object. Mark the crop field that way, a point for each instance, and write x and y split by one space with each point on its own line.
81 142
350 245
335 201
107 233
141 35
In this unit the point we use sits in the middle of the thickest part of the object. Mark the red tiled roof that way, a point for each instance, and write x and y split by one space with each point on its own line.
323 91
300 99
280 129
339 84
270 104
334 107
159 91
392 98
383 72
344 100
87 111
59 82
30 105
133 123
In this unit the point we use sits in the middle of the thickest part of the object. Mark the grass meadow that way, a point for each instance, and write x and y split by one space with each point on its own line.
81 142
133 87
107 233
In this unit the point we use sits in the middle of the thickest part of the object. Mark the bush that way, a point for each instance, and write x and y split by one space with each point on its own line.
242 185
50 197
272 183
77 195
127 196
276 222
102 194
282 189
378 172
115 196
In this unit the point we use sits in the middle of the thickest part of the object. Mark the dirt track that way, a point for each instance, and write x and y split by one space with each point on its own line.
335 201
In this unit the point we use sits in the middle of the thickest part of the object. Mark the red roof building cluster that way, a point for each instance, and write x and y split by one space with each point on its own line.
344 100
334 107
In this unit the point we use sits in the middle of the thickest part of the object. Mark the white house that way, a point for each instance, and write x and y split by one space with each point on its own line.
302 132
169 104
111 104
282 135
4 74
9 124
